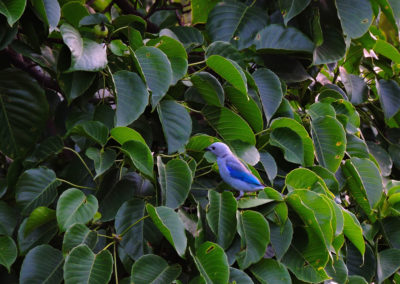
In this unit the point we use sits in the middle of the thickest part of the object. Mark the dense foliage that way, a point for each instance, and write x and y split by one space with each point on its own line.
107 106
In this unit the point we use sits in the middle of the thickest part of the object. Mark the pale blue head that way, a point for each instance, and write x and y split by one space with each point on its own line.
219 149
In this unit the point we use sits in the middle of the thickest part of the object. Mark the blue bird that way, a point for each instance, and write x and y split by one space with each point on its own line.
232 170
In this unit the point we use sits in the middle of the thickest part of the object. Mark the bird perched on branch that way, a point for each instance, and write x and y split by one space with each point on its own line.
232 170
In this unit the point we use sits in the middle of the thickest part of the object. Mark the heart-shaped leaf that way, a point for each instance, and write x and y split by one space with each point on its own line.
76 235
83 266
140 156
74 207
8 252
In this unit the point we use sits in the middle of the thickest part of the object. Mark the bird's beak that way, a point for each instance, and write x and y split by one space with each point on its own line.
207 149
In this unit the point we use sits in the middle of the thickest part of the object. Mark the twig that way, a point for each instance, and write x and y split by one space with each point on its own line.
75 185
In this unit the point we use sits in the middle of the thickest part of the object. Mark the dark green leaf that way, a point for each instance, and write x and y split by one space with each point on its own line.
329 140
176 123
128 221
291 8
388 262
8 219
332 49
254 232
94 130
209 88
124 134
49 12
74 207
12 10
281 237
83 266
8 252
169 224
353 231
175 179
36 187
277 38
238 276
290 143
270 271
228 124
75 84
76 235
388 91
43 264
140 155
103 159
270 90
156 70
269 165
382 157
132 97
154 269
355 16
200 10
20 126
74 12
39 216
212 263
221 216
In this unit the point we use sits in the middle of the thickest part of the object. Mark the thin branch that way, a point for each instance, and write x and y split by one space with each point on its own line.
75 185
128 8
32 69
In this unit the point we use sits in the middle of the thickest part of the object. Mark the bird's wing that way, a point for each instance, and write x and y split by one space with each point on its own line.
239 171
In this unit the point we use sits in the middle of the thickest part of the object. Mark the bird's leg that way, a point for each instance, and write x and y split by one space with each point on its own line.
240 195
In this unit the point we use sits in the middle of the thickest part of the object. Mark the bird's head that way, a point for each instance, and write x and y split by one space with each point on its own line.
219 149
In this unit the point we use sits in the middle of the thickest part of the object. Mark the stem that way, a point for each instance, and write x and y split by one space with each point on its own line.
262 131
130 227
196 63
80 158
75 185
105 236
168 156
115 264
107 246
203 168
205 173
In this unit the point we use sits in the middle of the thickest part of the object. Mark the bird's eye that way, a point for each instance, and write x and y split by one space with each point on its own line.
213 148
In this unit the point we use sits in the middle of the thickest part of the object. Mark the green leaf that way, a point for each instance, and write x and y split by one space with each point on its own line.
321 109
140 155
300 130
8 252
364 182
200 10
176 54
76 235
128 221
43 264
95 130
229 125
386 49
356 88
189 36
238 276
176 123
83 266
36 187
230 71
382 157
270 271
124 134
270 90
291 8
12 10
103 159
254 232
209 88
74 207
212 263
39 216
355 16
175 179
8 219
40 235
332 49
86 55
20 126
290 142
388 95
221 216
328 177
235 22
337 269
49 12
74 12
152 268
329 140
388 262
353 231
269 165
275 37
227 50
169 224
132 97
357 264
281 237
118 47
156 70
306 179
356 147
247 108
75 84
